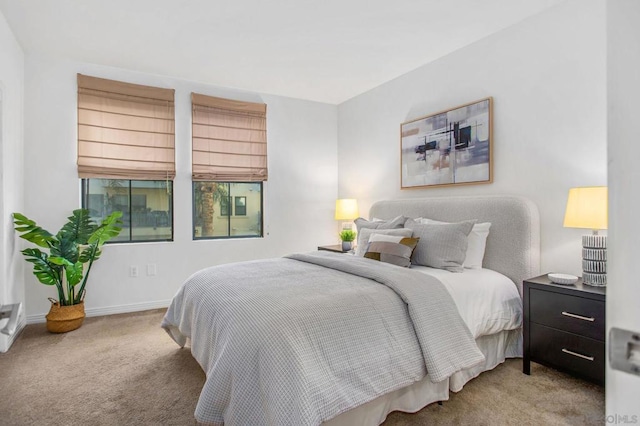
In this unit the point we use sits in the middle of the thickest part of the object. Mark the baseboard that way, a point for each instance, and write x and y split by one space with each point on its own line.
109 310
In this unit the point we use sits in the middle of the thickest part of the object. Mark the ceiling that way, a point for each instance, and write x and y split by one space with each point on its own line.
321 50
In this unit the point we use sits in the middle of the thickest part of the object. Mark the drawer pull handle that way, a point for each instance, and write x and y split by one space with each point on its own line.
588 358
580 317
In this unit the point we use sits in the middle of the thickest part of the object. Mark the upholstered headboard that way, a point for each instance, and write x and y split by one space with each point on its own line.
513 245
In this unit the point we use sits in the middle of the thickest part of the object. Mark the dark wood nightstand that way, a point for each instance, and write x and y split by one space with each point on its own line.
337 248
564 327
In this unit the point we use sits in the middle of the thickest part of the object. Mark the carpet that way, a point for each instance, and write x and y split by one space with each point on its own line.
125 370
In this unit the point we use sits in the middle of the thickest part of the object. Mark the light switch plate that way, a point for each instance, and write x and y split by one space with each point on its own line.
624 350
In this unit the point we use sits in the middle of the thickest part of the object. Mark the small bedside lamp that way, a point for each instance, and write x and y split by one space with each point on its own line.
587 208
347 209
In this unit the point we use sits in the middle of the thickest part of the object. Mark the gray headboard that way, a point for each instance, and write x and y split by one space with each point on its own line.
513 245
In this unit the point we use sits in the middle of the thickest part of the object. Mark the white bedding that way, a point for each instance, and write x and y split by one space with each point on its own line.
490 305
487 301
495 347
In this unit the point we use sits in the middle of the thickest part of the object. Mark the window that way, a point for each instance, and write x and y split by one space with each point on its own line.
241 206
126 155
146 206
213 220
229 160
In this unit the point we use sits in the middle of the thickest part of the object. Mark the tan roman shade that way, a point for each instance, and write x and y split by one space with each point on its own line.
125 131
229 140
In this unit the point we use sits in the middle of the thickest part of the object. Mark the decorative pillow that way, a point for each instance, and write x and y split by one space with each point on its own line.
366 233
476 242
361 224
396 222
391 249
440 246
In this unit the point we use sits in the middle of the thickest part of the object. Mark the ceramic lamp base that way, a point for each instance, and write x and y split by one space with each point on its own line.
594 260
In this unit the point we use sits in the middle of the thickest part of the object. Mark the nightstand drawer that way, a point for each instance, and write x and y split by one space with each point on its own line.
567 351
574 314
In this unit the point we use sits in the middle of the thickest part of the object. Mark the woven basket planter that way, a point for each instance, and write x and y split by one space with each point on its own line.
61 319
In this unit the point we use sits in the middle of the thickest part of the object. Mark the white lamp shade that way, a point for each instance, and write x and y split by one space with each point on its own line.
587 208
346 209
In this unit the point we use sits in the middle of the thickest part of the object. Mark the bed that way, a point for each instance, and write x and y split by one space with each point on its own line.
326 338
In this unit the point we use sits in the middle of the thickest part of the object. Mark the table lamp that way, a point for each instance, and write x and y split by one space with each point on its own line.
587 208
347 210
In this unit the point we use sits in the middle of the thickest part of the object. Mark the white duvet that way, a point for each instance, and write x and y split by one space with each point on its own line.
487 301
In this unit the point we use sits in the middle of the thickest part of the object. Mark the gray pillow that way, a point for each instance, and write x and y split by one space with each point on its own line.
396 222
442 246
362 224
366 233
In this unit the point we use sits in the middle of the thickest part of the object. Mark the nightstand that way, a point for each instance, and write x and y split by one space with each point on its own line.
564 327
336 248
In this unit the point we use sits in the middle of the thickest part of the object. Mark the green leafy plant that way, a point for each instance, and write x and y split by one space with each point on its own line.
78 242
348 235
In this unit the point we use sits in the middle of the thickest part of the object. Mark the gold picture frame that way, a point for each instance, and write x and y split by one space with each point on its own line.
450 147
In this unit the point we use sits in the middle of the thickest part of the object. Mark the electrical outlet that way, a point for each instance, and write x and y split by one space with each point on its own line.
151 269
133 271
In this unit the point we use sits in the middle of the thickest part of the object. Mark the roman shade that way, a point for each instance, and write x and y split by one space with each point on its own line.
125 131
229 140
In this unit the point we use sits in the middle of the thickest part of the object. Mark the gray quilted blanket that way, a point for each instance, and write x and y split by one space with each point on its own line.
299 340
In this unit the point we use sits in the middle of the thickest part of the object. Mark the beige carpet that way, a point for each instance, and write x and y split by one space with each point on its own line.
125 370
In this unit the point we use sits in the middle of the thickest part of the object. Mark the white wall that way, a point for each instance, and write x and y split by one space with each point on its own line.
11 100
623 291
547 79
298 198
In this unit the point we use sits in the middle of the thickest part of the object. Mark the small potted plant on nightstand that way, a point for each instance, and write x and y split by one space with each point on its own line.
78 242
347 236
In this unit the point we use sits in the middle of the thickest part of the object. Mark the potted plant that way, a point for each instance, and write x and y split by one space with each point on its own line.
347 236
77 243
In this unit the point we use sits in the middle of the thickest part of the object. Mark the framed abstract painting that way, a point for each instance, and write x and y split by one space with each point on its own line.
452 147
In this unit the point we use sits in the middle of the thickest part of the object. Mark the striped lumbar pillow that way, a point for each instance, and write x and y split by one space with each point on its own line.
392 249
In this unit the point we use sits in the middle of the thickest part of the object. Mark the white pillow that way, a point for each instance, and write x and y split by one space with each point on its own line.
476 242
386 238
